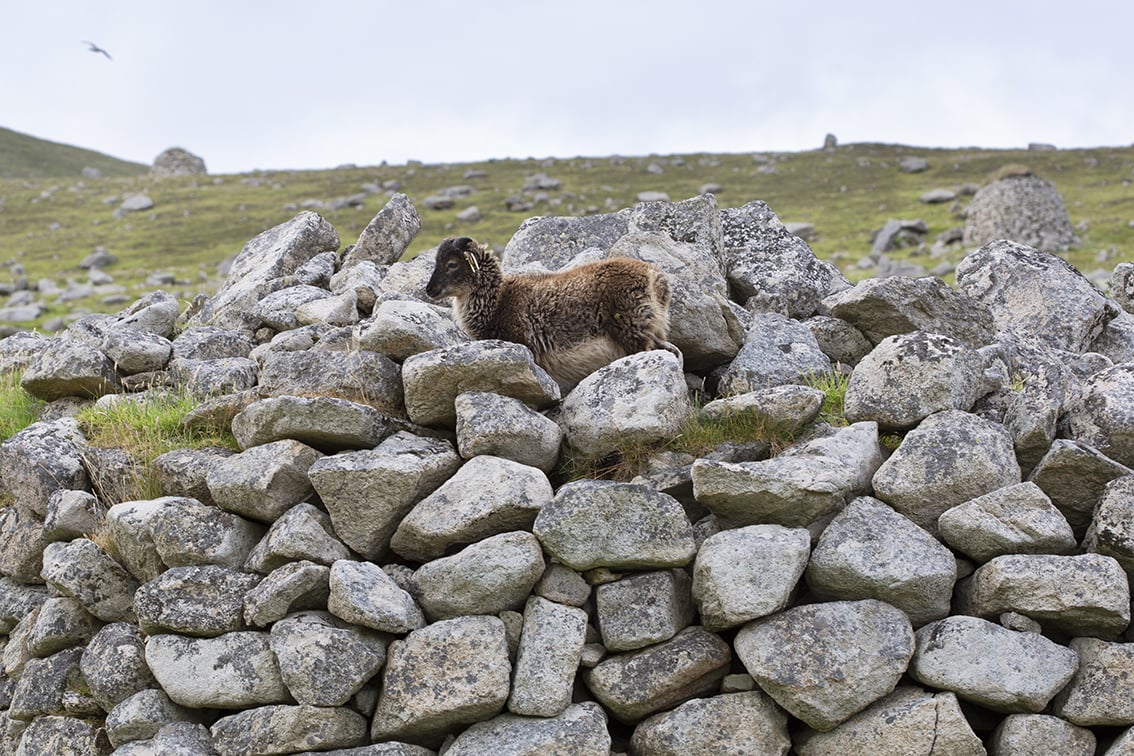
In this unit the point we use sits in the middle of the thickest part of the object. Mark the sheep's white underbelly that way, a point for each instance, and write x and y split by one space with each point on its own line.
571 365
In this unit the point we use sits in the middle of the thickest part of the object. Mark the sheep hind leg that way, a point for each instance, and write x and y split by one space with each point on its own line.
672 349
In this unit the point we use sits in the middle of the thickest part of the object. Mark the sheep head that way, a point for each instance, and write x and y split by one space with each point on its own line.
458 268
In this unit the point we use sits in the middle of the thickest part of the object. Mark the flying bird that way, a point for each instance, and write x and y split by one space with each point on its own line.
96 49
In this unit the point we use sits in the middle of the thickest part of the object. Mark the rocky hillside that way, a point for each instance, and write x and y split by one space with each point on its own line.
392 564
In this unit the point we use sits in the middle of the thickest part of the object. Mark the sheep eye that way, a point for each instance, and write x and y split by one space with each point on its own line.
452 265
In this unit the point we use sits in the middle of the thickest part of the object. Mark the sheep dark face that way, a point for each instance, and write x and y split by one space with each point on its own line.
454 273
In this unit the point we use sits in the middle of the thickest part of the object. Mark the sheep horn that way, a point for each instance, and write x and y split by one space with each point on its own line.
470 258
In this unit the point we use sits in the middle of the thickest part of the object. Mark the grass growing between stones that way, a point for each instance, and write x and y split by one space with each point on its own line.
144 427
18 408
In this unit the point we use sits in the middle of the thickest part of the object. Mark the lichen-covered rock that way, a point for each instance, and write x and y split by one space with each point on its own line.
1017 519
402 328
71 515
486 497
790 407
1101 413
580 730
64 736
44 684
188 533
826 662
642 609
1100 692
359 376
292 587
1020 206
1112 528
303 533
173 739
114 664
232 671
68 367
61 623
203 601
182 472
553 240
82 569
653 530
325 661
547 658
21 544
493 425
367 493
41 459
263 482
284 728
326 423
1042 733
143 714
747 722
776 350
746 573
992 666
362 594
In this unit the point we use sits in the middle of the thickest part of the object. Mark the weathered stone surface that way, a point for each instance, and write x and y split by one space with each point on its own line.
909 720
746 573
653 530
362 594
921 482
642 609
64 736
388 233
871 551
204 601
486 577
294 586
82 569
1035 295
1101 413
173 739
71 515
777 350
1042 733
325 423
182 472
494 425
789 407
551 645
43 685
997 668
17 600
143 714
213 377
325 661
66 367
286 729
1087 594
826 662
1112 528
21 544
186 533
912 375
263 482
1025 207
359 376
432 380
1017 519
553 240
442 677
211 343
132 352
748 722
580 730
486 497
41 459
1101 692
303 533
233 671
114 664
401 328
367 493
60 623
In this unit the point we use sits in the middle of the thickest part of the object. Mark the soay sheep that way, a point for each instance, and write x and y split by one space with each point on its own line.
574 321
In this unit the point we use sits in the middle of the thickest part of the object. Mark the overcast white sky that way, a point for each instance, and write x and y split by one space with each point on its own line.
288 84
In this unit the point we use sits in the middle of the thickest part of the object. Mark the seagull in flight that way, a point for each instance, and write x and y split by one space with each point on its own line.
96 49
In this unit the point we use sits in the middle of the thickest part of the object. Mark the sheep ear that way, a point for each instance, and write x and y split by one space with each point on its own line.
470 258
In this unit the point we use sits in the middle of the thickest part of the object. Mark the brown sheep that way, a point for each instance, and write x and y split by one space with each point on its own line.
574 321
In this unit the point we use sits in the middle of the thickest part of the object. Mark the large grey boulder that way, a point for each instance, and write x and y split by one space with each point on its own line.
871 551
920 482
776 350
44 684
69 367
279 310
746 573
486 577
1100 692
292 587
325 423
1037 296
580 730
1023 207
1074 476
58 734
133 352
909 720
1112 528
143 714
202 601
114 664
992 666
186 533
17 600
442 677
552 241
41 459
362 594
275 253
1101 413
211 343
177 161
82 569
324 661
263 482
1042 733
174 739
486 497
747 722
402 328
367 493
358 376
1087 594
895 305
21 545
1016 519
303 533
232 671
825 662
432 380
641 398
387 235
494 425
910 376
636 684
547 658
653 530
61 623
284 728
643 608
128 524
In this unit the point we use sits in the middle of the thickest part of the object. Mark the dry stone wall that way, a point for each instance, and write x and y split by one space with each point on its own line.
392 563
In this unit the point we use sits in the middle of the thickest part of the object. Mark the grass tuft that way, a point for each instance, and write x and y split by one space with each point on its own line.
18 408
833 384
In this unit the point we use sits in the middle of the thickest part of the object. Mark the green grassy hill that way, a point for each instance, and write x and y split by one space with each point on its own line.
49 224
23 156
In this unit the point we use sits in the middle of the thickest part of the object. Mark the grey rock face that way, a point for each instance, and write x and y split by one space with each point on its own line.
553 241
746 722
294 586
1026 208
62 735
177 161
909 720
547 658
41 459
43 685
142 715
1110 531
921 482
362 594
285 729
486 497
634 685
999 669
186 532
211 343
367 493
1017 519
777 350
579 731
61 623
487 577
263 482
441 677
322 422
493 425
133 352
233 671
400 329
1086 594
908 377
653 532
303 533
1101 416
114 664
1100 691
358 376
71 515
388 234
66 367
432 380
641 397
324 661
643 609
83 570
1074 475
746 573
173 739
826 662
21 545
1042 733
871 551
1035 295
202 601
